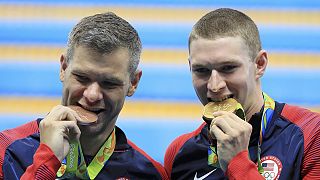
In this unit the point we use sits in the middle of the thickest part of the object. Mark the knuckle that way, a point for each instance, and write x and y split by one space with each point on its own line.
248 128
62 108
57 107
45 124
41 124
218 120
236 134
74 123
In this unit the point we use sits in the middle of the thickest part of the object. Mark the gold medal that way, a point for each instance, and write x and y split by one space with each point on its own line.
230 105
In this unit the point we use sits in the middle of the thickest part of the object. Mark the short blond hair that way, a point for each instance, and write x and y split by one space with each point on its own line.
226 22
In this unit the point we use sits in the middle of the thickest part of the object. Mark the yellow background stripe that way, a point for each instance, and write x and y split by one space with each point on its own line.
133 109
163 56
151 14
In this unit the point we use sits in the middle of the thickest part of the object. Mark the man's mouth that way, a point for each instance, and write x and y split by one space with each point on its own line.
95 110
220 99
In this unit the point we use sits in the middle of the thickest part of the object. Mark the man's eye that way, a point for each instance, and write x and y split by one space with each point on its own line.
82 79
201 70
109 85
228 68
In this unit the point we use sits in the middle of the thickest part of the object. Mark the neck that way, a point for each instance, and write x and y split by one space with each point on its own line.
255 107
90 146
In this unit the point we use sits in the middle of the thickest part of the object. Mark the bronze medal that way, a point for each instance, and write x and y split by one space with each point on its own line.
87 117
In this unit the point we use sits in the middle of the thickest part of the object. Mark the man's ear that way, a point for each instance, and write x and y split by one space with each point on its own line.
134 82
63 66
261 63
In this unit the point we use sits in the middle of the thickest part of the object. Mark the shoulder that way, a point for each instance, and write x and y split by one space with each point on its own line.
179 141
299 115
9 136
309 123
176 145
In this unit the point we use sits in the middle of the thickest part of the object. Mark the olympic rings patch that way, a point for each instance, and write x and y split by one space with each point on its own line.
272 167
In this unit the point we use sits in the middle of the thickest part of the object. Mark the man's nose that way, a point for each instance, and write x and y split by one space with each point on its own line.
216 82
93 93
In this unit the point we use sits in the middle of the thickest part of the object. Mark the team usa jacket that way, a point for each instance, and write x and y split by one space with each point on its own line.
23 156
290 150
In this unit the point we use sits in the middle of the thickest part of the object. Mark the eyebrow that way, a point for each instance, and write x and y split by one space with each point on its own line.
199 65
112 79
78 72
227 61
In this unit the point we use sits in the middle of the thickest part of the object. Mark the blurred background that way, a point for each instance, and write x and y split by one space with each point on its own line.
34 33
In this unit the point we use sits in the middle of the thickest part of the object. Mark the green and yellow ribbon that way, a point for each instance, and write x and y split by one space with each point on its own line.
75 165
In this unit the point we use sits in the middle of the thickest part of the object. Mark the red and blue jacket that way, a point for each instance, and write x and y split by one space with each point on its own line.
290 150
23 156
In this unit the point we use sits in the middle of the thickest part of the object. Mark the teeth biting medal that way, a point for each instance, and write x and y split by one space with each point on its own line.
87 117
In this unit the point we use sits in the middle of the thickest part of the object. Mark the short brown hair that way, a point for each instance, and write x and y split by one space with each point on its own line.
225 22
105 33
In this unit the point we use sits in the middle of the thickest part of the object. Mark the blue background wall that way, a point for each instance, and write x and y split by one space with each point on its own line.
33 34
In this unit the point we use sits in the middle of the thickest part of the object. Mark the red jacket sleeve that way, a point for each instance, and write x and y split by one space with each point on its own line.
241 167
309 122
311 161
45 165
9 136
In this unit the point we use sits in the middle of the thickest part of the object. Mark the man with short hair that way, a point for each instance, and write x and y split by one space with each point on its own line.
78 139
275 140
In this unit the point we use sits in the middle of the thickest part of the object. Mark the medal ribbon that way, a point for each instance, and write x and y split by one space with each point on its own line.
268 109
75 165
